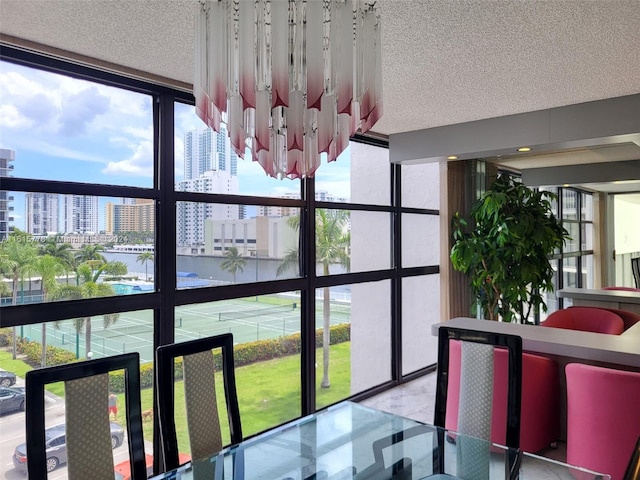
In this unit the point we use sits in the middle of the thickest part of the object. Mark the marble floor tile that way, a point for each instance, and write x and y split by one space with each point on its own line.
416 400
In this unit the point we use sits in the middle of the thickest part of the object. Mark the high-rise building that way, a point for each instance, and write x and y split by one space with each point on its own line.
206 150
210 166
41 213
190 216
6 157
80 214
136 215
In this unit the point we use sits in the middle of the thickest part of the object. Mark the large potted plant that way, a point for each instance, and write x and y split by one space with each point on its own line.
505 247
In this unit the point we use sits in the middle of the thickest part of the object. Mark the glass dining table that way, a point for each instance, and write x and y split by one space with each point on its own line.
351 441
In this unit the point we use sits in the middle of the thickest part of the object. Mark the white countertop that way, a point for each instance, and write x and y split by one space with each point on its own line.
619 296
597 347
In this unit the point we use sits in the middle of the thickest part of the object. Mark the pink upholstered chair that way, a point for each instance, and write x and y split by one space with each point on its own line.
624 289
628 318
603 418
539 422
586 319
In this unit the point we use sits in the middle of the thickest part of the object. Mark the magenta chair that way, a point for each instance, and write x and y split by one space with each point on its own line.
586 319
603 418
539 419
628 318
624 289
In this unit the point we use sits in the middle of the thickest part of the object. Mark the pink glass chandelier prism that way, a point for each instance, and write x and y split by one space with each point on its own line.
292 79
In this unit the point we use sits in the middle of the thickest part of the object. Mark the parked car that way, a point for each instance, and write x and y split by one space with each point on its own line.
123 469
57 448
11 399
7 378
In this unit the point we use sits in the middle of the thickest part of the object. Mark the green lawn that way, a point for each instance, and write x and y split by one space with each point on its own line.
268 392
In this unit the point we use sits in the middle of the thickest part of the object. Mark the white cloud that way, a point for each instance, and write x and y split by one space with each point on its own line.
10 117
127 103
15 84
145 133
45 148
140 164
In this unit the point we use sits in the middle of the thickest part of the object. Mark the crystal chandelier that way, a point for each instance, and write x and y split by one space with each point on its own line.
292 79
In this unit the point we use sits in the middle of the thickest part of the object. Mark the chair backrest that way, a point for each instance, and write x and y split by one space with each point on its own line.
476 396
635 269
586 319
629 319
476 380
200 396
603 420
539 420
88 434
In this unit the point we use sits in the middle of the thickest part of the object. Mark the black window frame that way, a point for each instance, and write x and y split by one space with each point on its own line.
165 197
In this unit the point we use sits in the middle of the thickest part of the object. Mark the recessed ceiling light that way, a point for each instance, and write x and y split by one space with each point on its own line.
452 157
524 149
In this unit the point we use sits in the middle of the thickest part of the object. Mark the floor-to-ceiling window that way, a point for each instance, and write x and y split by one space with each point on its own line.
574 263
626 208
135 226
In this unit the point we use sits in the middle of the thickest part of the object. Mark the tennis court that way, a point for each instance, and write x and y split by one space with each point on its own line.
254 318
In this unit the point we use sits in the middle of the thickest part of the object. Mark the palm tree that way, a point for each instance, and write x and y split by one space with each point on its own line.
89 288
332 246
234 262
18 255
62 251
5 268
5 291
143 258
90 252
49 267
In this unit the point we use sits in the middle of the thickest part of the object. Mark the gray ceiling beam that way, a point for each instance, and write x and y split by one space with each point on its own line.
601 122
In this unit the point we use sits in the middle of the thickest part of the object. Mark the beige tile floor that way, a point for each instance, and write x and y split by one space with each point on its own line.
416 399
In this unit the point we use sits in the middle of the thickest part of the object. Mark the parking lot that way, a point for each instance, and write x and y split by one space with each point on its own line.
12 433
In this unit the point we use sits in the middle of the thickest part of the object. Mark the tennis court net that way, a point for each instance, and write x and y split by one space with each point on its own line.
256 312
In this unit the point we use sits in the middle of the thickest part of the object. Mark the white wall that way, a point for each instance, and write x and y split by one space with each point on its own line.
371 250
627 223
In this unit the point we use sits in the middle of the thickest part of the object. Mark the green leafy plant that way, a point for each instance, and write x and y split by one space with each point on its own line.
505 247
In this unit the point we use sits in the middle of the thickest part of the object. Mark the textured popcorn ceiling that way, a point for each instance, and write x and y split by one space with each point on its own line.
445 61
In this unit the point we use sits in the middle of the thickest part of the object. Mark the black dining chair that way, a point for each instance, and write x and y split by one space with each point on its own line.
475 406
203 422
476 388
87 428
633 468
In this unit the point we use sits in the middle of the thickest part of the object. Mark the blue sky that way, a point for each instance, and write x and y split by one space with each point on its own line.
66 129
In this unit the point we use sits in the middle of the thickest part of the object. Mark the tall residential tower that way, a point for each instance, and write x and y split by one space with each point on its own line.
6 157
210 166
206 150
41 213
80 214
